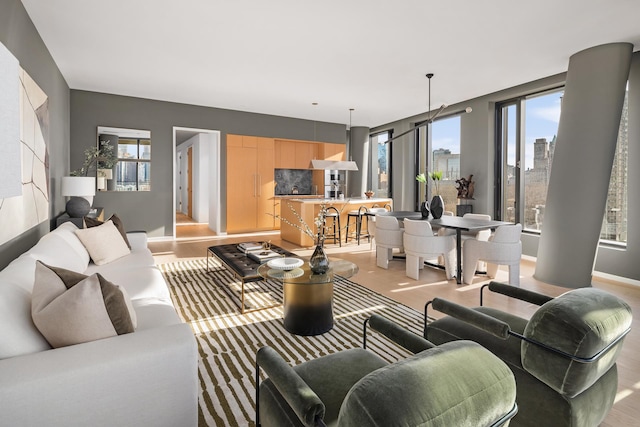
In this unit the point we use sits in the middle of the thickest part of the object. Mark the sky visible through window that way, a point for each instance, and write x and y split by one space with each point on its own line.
542 118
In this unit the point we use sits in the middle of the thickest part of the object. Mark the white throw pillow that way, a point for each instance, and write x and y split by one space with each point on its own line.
104 243
71 308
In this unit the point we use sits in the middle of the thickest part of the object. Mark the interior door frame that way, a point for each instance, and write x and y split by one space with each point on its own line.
215 179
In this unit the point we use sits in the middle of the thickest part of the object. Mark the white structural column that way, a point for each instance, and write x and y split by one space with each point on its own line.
583 158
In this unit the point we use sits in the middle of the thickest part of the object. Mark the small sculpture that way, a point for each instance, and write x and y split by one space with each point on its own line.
465 187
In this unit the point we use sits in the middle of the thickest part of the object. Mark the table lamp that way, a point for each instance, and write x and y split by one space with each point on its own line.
81 190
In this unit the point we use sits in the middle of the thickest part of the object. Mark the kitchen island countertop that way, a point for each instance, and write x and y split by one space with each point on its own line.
308 208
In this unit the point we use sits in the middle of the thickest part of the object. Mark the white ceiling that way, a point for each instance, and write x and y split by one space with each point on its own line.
280 56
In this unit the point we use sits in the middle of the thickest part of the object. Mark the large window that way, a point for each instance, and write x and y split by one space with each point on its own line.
134 164
529 126
445 157
438 149
526 142
383 155
614 226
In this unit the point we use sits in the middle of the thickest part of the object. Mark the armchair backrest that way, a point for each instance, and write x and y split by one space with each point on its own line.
583 323
459 383
418 228
507 234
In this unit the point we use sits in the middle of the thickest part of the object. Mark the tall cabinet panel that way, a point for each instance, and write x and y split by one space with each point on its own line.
250 186
266 184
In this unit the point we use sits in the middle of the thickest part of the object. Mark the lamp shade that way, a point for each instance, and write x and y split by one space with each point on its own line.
81 186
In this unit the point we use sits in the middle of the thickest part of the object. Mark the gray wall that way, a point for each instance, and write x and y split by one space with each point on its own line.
478 158
153 211
19 35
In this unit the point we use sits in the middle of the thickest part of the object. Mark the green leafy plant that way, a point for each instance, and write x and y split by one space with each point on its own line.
103 157
436 176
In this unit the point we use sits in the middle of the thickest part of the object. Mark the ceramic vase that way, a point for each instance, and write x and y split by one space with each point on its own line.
319 263
437 207
424 209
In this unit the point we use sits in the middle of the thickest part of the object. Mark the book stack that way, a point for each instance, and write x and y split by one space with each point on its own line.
256 252
263 255
249 246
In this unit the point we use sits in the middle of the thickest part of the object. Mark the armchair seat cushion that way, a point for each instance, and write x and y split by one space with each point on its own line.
346 367
380 398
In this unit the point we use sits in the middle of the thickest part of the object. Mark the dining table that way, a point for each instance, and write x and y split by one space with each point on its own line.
457 223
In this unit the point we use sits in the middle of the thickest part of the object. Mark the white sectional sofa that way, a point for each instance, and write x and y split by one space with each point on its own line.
144 378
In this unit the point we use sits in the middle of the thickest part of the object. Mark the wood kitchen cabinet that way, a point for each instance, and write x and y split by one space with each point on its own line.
250 183
285 151
293 154
305 152
332 151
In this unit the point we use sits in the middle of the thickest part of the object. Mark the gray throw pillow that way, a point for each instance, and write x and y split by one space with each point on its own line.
71 308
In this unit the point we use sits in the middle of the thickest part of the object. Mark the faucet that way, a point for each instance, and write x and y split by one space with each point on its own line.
294 189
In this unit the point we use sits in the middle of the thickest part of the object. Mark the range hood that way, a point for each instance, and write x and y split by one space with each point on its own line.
338 165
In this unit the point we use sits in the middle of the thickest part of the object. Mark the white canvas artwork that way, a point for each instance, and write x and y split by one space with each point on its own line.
10 182
20 213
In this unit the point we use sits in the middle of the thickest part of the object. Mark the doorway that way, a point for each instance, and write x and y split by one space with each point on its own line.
196 183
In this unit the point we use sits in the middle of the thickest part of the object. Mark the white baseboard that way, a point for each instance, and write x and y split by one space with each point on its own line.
161 239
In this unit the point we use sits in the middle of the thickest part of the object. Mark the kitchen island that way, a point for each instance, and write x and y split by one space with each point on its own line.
308 208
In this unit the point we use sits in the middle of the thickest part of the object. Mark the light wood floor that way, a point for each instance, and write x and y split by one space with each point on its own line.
193 241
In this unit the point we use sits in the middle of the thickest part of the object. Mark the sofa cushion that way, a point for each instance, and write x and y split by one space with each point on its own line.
61 248
70 308
18 334
103 242
92 222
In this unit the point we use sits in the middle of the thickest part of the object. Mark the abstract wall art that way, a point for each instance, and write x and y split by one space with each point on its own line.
21 212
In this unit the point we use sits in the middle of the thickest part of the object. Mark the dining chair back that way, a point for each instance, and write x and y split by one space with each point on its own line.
503 248
420 244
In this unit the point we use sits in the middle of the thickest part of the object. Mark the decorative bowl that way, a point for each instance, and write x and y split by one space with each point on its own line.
369 194
285 274
285 263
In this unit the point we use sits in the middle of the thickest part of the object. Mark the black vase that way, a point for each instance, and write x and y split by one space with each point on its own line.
437 207
424 209
319 263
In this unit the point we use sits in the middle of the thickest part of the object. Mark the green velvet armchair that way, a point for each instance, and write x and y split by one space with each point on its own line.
456 384
563 358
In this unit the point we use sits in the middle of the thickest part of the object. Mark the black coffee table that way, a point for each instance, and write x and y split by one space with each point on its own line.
243 268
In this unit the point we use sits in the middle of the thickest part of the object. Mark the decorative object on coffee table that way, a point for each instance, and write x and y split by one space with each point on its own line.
319 262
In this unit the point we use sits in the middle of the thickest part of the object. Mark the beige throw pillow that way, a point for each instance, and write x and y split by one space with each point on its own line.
71 308
92 222
104 243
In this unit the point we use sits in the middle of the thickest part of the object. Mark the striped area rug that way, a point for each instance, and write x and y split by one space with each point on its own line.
228 340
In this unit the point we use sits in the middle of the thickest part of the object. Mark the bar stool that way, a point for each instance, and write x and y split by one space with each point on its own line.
357 217
335 234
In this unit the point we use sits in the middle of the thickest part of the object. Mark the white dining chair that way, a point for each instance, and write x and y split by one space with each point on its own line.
503 248
388 237
371 223
421 244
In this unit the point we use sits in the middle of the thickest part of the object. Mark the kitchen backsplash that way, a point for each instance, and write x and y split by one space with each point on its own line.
288 180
